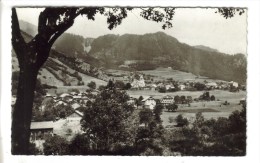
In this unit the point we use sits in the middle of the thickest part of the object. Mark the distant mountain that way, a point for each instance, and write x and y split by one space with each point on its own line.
149 51
70 44
27 27
202 47
153 50
62 70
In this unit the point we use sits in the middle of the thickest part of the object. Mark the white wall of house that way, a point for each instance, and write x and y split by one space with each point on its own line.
149 103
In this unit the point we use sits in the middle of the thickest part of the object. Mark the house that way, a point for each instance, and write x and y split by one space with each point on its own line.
73 93
64 95
160 85
73 122
60 102
138 83
166 100
181 86
149 102
84 99
168 86
68 98
75 105
234 84
39 130
75 116
211 85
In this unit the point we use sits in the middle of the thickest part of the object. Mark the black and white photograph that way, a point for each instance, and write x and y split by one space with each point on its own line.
129 81
133 91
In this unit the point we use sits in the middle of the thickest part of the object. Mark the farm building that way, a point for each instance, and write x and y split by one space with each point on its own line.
68 98
39 130
182 86
234 84
138 83
73 122
149 102
166 100
76 116
211 85
168 86
64 95
61 102
75 105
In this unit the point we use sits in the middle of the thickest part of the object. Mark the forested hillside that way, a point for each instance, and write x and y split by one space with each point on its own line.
158 49
148 52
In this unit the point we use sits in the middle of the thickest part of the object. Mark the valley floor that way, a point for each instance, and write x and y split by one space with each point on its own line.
211 109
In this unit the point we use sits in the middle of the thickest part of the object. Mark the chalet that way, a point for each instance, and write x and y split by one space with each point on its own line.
73 123
39 130
73 93
160 85
181 86
168 86
75 105
68 98
166 100
84 99
75 116
64 95
234 84
48 96
149 102
60 102
138 83
77 98
211 85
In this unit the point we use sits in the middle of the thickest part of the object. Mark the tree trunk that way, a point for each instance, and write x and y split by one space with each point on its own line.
31 56
21 116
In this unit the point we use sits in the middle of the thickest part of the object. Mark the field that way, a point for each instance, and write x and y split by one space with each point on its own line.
211 109
161 74
165 73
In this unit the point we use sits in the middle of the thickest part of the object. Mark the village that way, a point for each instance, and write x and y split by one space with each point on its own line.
135 91
176 97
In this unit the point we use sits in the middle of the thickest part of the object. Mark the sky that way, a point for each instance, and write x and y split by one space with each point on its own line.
193 26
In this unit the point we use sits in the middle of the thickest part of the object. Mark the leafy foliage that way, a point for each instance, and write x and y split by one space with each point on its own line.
92 85
221 137
55 145
105 120
172 107
181 121
52 23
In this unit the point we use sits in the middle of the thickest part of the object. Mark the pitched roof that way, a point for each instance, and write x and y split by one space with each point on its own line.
76 112
75 105
147 98
41 125
167 97
64 95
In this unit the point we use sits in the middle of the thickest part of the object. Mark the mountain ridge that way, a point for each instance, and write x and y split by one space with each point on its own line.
153 50
161 49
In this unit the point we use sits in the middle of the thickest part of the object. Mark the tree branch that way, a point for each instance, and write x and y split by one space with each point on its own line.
18 41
